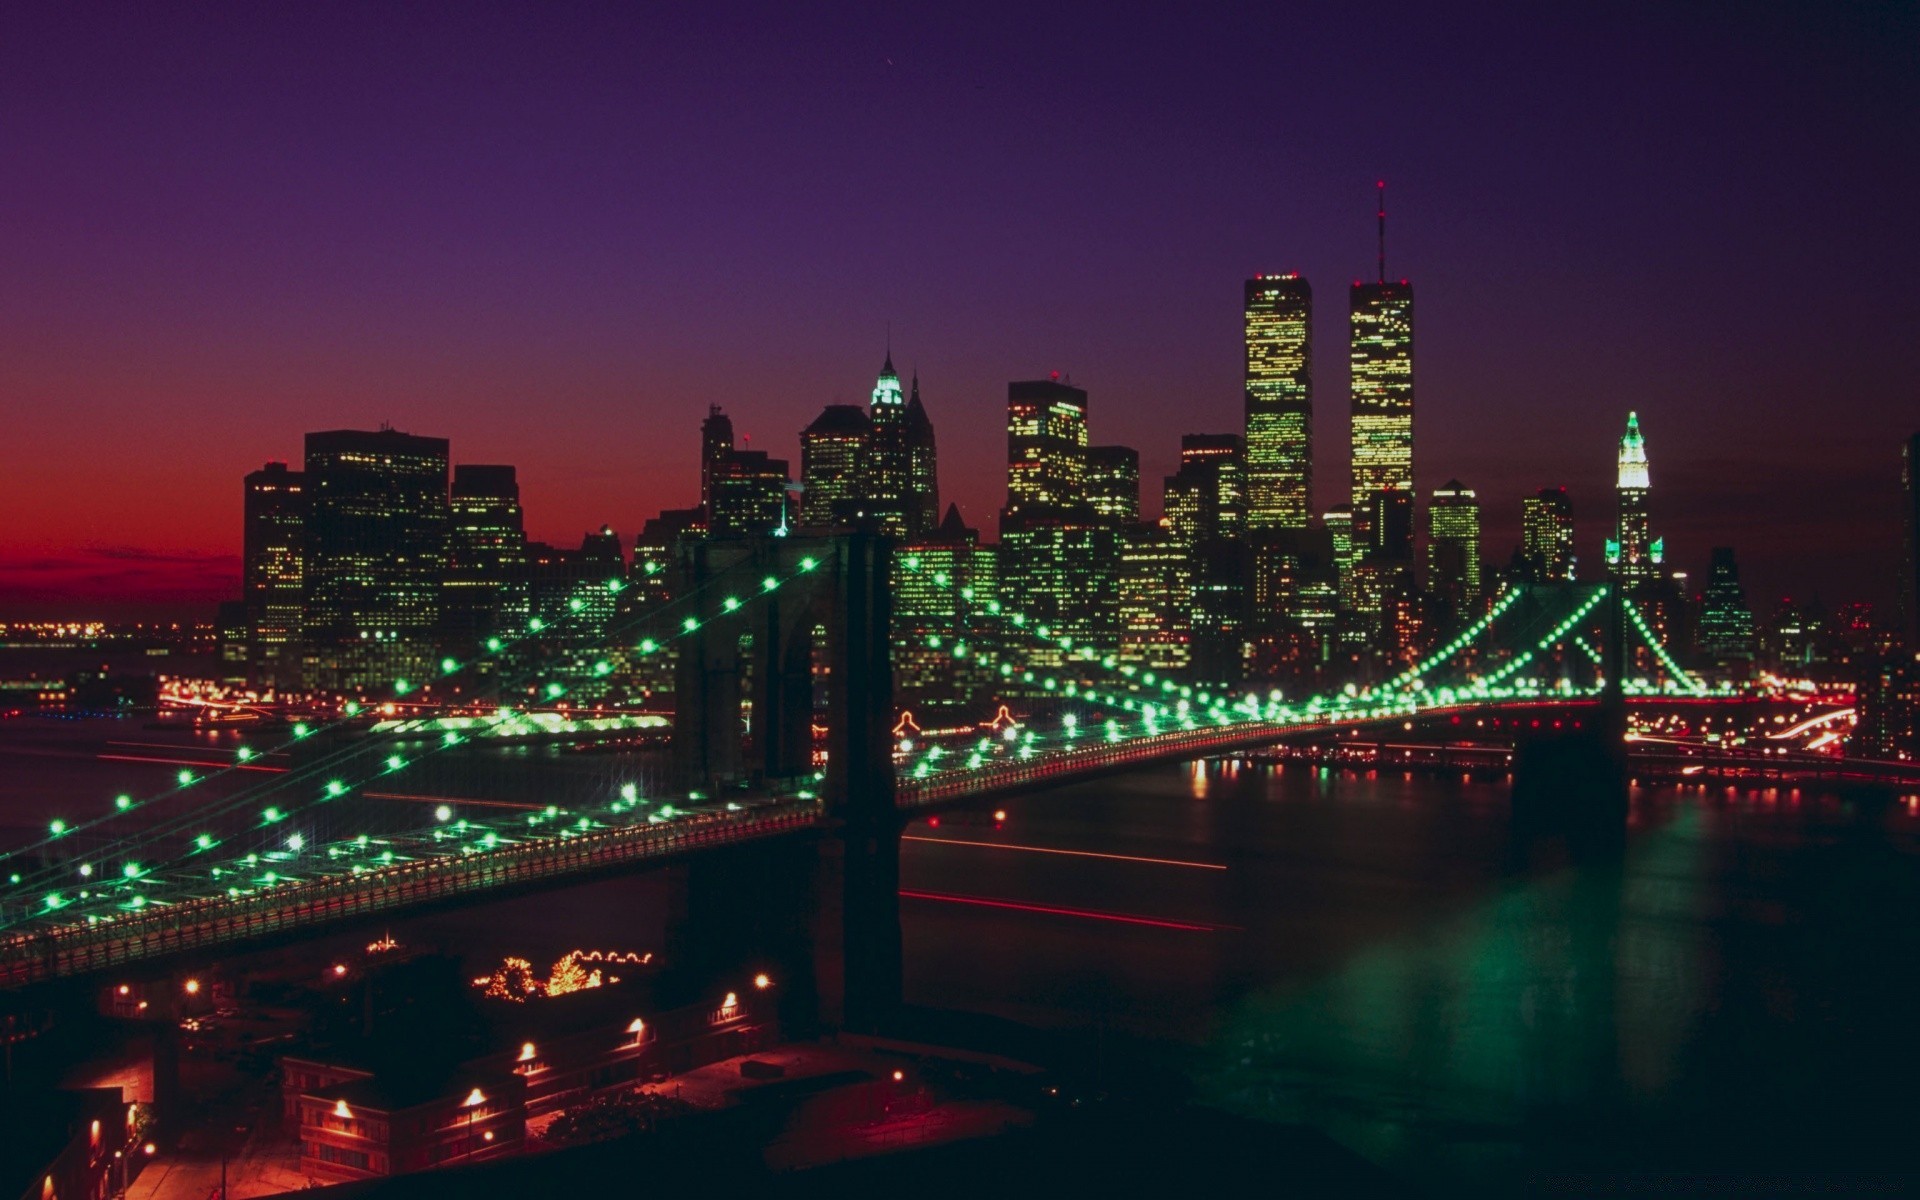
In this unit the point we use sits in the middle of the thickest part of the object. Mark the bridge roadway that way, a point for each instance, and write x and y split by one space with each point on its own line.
310 905
218 922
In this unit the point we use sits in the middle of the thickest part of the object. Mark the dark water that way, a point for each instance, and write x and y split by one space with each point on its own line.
1375 957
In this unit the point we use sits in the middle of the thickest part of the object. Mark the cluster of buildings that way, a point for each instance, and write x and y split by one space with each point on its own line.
380 556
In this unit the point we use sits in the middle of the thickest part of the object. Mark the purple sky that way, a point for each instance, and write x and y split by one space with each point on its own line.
555 238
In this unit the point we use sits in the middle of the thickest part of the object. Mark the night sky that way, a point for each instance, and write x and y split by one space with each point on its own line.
555 233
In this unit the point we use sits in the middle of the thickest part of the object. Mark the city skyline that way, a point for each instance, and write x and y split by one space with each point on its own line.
196 288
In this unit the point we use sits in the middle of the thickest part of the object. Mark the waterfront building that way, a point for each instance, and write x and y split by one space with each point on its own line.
1278 312
376 551
273 573
1546 536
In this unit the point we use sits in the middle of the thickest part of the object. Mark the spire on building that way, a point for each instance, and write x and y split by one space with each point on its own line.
1633 455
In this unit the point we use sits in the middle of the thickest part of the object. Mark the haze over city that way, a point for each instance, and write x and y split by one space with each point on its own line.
554 239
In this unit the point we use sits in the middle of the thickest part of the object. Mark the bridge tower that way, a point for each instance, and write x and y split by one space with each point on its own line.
1573 781
762 657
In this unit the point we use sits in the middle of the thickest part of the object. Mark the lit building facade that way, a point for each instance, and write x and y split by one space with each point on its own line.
1725 627
716 442
1278 314
376 551
1546 535
486 551
748 495
1633 553
1908 607
274 573
889 462
1155 600
1113 483
1453 548
833 463
1046 445
940 582
1381 357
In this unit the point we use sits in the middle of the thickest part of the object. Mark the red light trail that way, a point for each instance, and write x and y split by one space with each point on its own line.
1132 858
1056 911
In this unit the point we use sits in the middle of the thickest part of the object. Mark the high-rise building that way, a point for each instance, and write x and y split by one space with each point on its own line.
1382 387
273 573
1206 500
833 463
716 442
486 549
376 550
1546 535
889 460
749 495
1113 483
1389 533
1909 605
1339 525
1279 401
1453 548
941 581
1633 554
1155 599
1725 628
923 467
1046 445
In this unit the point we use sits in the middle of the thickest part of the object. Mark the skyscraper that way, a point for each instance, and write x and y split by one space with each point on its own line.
923 467
1155 600
889 460
1546 535
749 495
486 549
1059 559
1279 401
1909 607
376 549
1725 630
1453 548
1382 384
1380 316
273 572
1046 445
941 580
833 462
716 442
1206 499
1633 554
1113 483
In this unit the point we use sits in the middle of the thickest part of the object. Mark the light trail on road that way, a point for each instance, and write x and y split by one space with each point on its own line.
1086 914
1132 858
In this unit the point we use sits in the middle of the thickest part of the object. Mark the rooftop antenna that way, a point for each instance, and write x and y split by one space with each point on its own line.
1380 189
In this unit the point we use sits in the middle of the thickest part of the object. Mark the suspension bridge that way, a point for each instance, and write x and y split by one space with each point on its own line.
304 834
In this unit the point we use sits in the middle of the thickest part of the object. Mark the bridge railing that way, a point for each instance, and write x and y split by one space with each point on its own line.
222 920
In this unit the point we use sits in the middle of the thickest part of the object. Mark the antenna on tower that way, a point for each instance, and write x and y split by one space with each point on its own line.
1380 189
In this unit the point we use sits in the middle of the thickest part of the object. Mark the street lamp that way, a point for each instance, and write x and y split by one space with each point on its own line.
474 1100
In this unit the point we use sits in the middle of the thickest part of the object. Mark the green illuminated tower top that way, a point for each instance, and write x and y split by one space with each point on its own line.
889 461
1632 553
